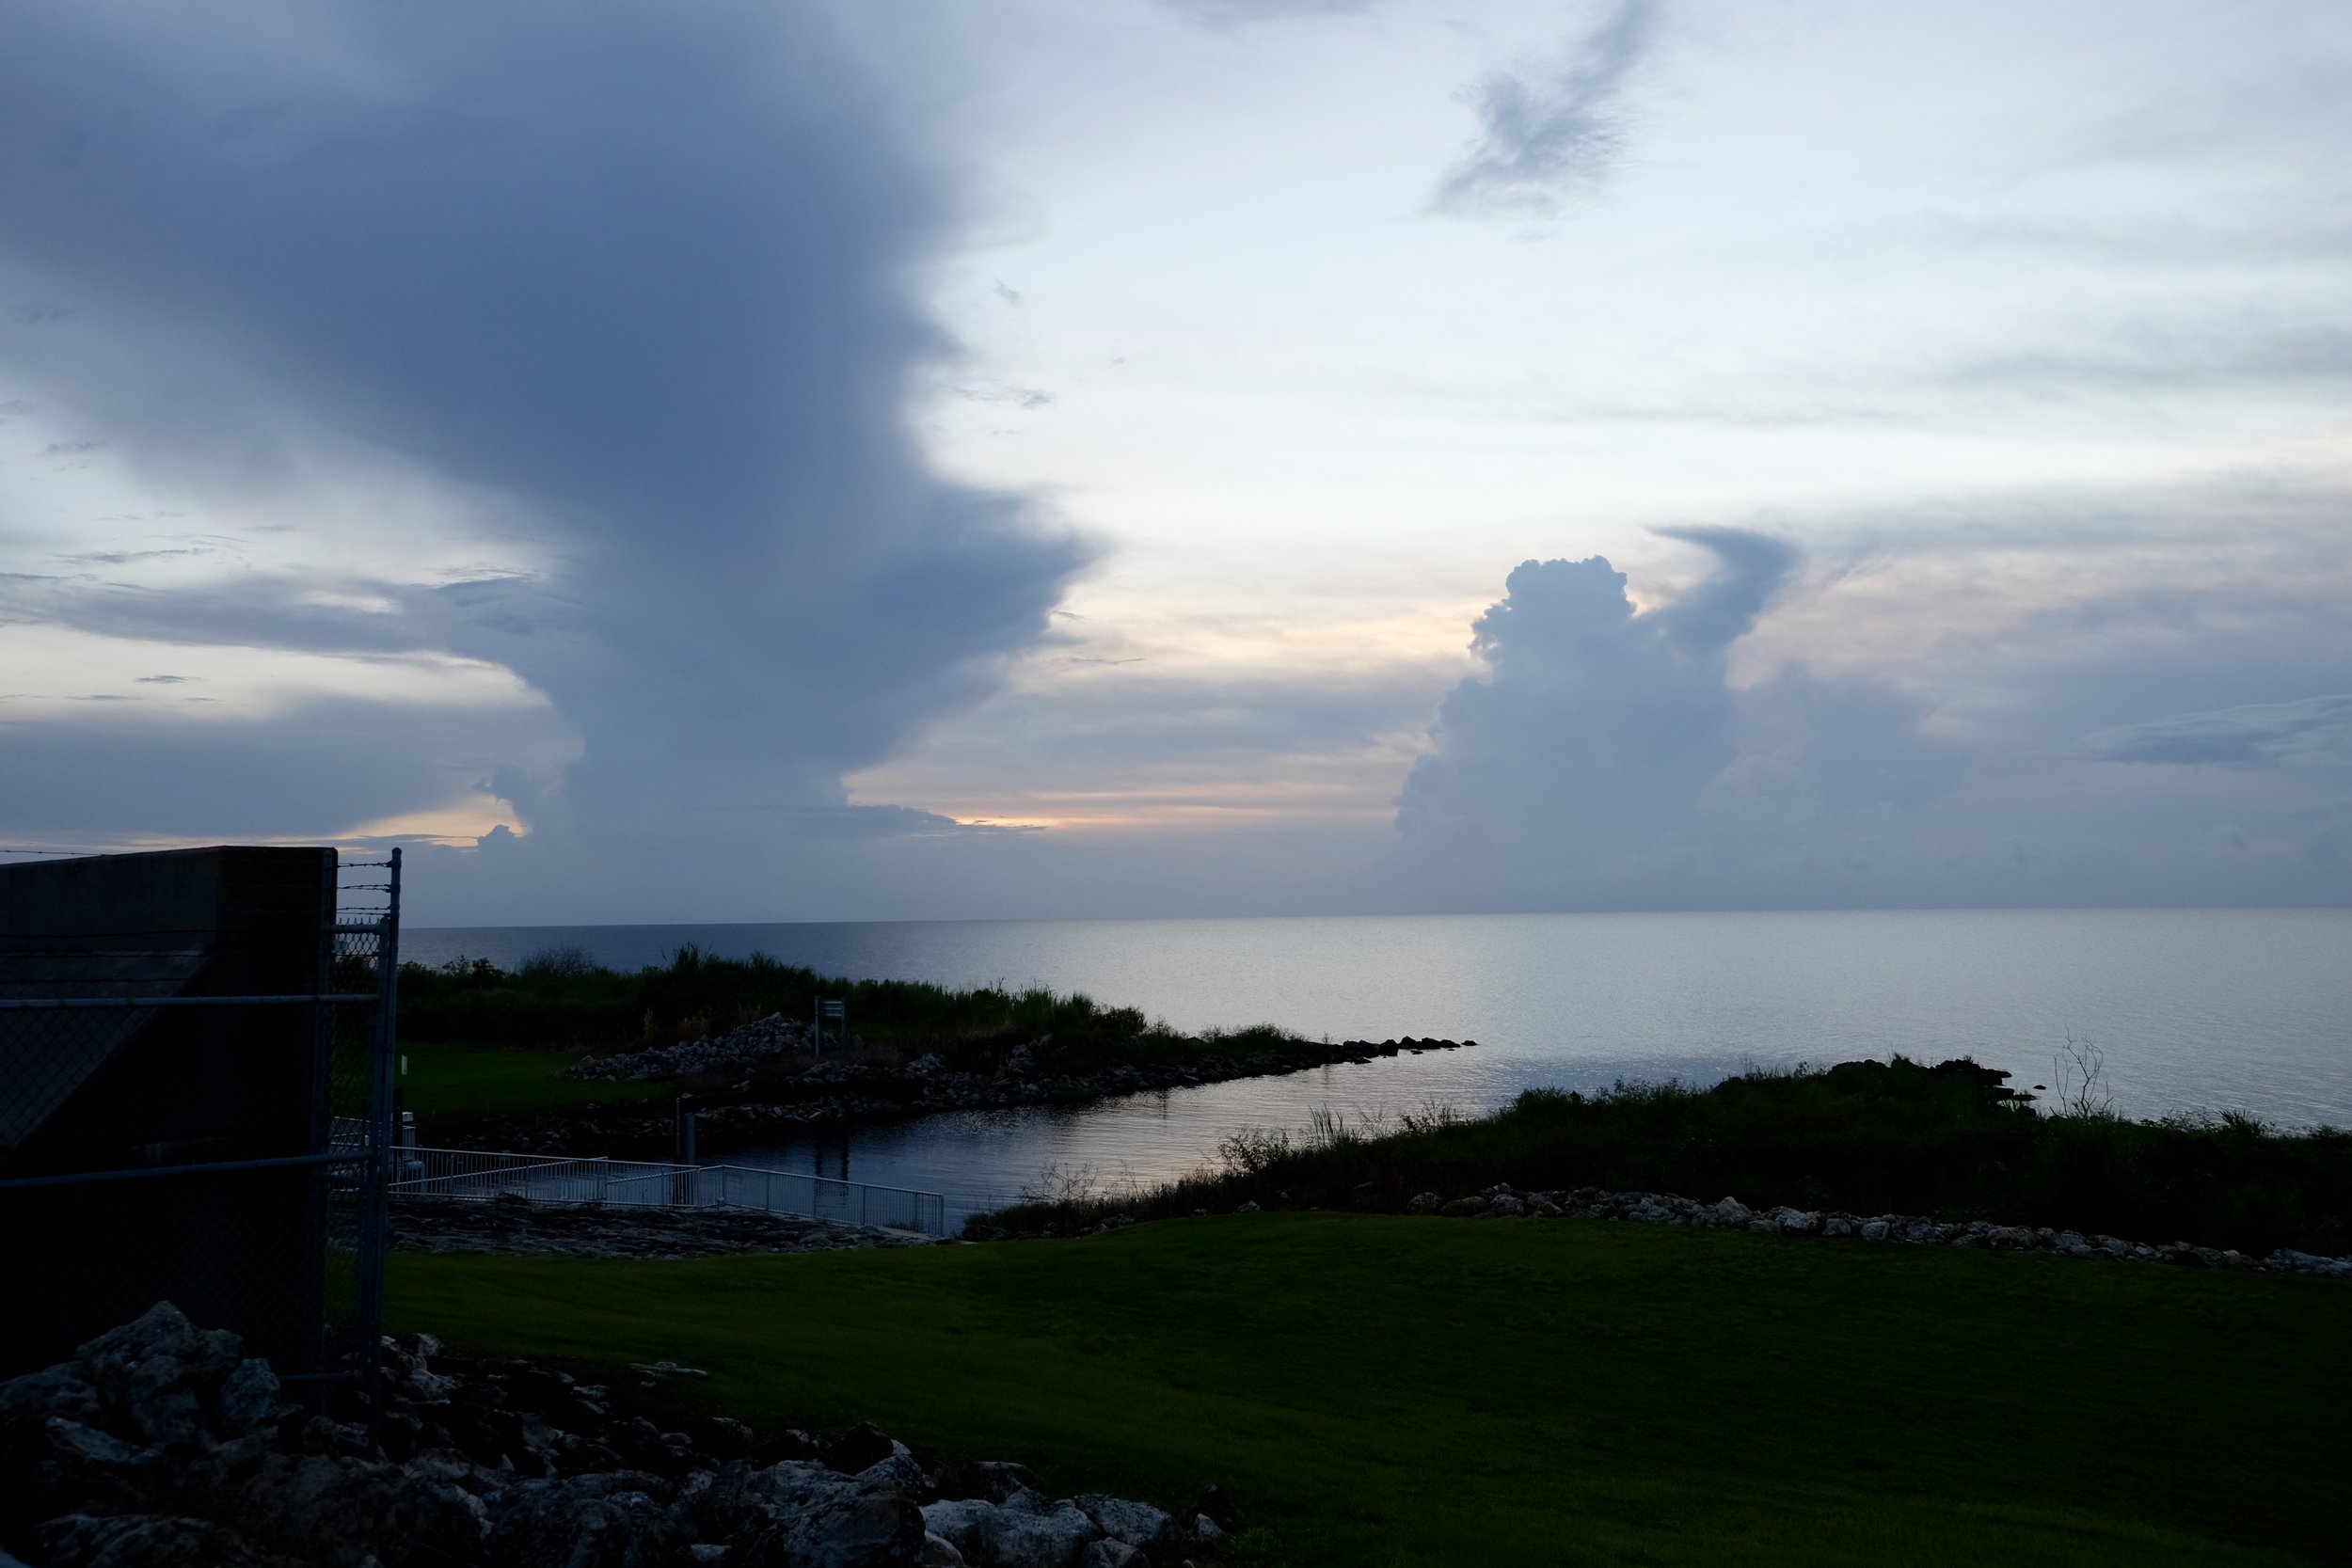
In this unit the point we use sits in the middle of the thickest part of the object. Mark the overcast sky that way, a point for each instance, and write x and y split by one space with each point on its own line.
1114 457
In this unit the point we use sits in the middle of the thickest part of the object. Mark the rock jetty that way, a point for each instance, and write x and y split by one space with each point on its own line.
837 1091
162 1445
767 1075
1501 1199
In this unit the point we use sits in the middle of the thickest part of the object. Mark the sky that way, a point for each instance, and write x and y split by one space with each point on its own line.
1082 458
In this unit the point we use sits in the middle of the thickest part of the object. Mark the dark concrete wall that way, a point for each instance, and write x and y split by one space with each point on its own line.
104 1090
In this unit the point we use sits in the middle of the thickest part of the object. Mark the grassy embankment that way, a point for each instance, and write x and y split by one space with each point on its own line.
1866 1137
449 1081
1384 1391
486 1041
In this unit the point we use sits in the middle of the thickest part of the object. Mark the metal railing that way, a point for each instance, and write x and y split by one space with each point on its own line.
481 1176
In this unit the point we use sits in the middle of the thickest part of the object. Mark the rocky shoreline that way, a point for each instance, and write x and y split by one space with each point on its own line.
163 1446
594 1230
780 1081
1504 1201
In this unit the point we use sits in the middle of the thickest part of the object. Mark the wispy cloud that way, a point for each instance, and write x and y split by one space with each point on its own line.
1008 397
1234 13
2261 734
1549 137
127 558
2137 358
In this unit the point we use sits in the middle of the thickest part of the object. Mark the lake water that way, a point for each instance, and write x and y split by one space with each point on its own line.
2197 1010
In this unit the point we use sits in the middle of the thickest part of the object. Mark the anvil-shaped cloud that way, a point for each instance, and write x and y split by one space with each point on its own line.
626 285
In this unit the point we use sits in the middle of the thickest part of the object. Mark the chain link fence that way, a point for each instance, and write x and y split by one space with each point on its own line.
481 1176
195 1093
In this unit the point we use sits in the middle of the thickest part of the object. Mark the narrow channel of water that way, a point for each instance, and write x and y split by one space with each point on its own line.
978 1160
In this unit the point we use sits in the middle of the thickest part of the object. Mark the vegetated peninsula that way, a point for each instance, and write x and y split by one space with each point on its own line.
564 1055
1950 1146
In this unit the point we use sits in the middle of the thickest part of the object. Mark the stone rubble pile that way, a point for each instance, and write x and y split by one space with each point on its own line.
755 1044
163 1446
1731 1215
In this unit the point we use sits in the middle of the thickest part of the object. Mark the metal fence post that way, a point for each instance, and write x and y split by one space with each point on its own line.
377 1142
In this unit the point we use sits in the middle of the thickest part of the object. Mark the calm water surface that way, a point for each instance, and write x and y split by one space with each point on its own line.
2197 1010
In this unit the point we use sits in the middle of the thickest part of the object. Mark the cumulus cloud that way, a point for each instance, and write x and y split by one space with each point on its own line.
1548 137
628 286
1606 759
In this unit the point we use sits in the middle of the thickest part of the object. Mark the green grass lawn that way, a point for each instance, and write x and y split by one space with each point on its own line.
446 1082
1379 1390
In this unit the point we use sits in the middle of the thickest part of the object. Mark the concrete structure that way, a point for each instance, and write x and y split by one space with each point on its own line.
187 1090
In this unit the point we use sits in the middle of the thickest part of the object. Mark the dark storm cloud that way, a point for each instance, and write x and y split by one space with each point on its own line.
1547 136
638 274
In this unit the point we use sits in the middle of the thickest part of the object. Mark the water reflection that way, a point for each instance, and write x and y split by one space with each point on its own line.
980 1159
